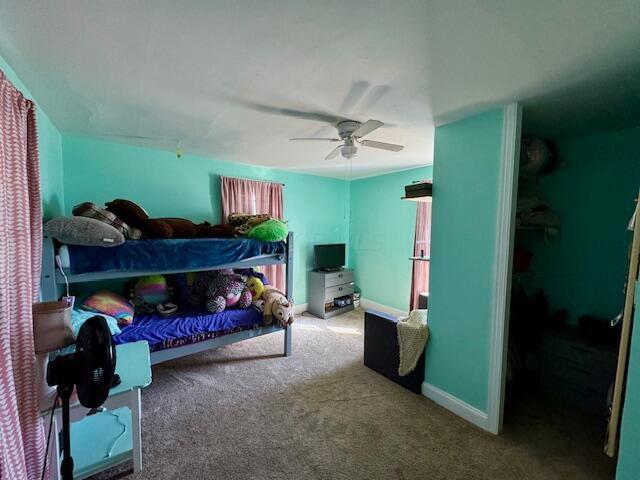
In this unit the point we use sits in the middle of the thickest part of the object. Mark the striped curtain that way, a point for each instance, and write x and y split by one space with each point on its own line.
21 431
421 248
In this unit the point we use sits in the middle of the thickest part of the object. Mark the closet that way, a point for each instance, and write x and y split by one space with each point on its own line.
576 197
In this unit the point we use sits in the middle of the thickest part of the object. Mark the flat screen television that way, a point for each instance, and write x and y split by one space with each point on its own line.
328 256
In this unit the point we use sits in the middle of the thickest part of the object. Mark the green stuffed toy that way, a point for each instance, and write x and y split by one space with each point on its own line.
269 231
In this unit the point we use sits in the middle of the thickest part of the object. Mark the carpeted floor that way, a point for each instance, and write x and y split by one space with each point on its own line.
245 412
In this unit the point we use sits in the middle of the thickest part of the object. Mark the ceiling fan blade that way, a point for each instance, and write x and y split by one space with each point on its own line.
355 94
315 138
374 95
334 153
366 128
290 112
122 135
392 147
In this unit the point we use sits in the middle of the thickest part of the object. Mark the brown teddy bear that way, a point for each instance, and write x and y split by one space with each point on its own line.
135 216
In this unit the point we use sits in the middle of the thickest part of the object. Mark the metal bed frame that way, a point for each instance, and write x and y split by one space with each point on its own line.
53 280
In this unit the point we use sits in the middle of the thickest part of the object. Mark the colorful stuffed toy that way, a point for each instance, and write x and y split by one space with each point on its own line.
276 305
220 289
152 289
256 287
152 293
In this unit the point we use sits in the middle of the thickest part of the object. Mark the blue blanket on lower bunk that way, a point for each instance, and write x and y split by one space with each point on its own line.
190 325
171 254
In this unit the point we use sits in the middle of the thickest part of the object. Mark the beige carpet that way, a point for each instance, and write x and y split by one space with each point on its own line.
245 412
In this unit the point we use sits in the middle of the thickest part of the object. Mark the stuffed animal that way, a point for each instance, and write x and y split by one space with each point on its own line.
136 217
206 230
276 305
91 210
256 287
220 289
243 222
152 293
269 231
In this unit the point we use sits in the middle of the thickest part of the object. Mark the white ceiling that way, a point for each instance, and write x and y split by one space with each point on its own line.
201 71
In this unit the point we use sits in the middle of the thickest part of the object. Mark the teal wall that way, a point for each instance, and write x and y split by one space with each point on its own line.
628 455
317 208
583 270
50 148
466 174
381 236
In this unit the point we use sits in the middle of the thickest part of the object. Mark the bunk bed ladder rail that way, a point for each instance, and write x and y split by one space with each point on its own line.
49 288
289 286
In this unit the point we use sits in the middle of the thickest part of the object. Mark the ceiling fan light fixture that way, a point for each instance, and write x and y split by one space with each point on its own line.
349 151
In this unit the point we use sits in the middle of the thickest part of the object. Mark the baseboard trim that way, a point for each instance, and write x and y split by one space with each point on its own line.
366 303
300 308
455 405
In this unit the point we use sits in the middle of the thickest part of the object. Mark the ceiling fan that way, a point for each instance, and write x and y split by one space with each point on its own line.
350 135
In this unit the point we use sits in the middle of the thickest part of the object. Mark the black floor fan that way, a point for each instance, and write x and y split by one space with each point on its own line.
90 368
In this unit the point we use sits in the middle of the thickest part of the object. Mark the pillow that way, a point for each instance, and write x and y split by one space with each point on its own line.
78 317
83 231
110 304
91 210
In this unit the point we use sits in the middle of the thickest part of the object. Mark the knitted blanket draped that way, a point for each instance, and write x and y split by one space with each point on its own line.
412 338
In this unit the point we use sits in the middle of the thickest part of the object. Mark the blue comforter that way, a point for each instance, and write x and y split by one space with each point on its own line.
190 325
172 254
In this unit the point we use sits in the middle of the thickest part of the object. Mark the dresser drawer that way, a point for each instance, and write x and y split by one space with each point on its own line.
338 278
338 291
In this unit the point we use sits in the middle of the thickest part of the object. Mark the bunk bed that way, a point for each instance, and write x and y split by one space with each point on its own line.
193 330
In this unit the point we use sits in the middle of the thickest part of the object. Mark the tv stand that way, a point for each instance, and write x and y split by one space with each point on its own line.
324 286
330 269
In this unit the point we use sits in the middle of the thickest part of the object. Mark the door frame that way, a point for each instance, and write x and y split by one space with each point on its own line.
509 169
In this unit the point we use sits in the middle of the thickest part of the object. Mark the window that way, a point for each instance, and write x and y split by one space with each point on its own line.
240 195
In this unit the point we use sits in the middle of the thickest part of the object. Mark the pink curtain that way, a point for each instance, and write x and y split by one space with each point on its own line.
252 196
21 431
422 247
